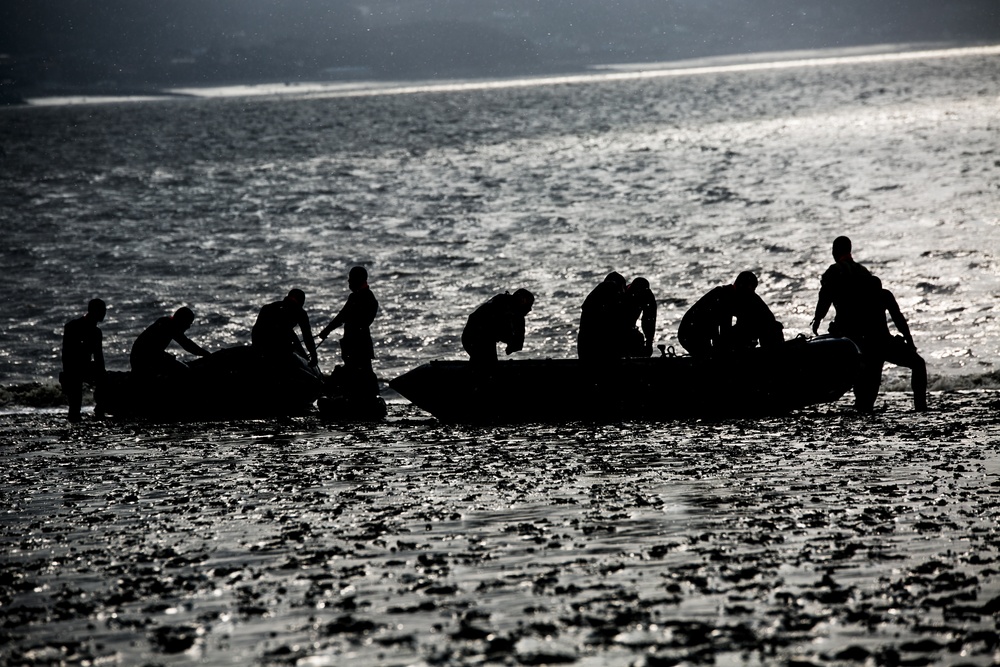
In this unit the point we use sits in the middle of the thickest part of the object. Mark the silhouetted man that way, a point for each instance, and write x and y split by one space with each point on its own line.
149 356
639 302
604 321
848 287
879 345
707 328
273 334
82 355
499 320
356 347
845 285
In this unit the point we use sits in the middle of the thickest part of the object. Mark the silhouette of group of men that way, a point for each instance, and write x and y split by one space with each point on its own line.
273 338
608 320
617 320
728 320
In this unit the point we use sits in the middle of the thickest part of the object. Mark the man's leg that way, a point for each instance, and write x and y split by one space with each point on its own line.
867 385
361 380
696 342
73 389
901 354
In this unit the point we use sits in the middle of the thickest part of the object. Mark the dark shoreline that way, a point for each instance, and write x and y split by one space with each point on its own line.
23 95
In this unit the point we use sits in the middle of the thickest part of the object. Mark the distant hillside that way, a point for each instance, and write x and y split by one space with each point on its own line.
124 44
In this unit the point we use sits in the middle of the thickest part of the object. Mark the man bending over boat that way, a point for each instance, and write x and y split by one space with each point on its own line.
273 334
603 321
82 355
499 320
356 347
149 356
878 346
639 303
707 328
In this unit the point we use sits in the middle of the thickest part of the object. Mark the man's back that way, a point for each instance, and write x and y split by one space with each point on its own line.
602 322
497 320
155 338
847 285
358 314
81 342
716 306
493 319
273 328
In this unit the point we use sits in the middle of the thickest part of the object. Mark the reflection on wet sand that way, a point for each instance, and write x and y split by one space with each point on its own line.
821 538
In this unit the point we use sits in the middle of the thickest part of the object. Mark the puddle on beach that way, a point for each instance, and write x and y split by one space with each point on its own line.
821 538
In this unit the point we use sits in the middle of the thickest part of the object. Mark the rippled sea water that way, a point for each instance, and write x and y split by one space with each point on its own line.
224 204
817 538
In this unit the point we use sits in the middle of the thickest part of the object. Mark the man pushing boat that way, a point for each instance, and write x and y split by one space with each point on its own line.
499 320
273 334
149 356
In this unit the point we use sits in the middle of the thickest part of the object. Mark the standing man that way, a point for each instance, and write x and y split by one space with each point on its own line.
851 289
356 347
149 354
881 346
273 334
499 320
82 355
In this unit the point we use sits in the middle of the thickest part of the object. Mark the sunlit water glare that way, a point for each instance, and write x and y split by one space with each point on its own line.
451 195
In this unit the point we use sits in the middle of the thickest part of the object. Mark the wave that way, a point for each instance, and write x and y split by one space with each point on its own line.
33 395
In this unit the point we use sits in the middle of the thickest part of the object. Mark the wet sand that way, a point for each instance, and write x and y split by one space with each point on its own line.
819 538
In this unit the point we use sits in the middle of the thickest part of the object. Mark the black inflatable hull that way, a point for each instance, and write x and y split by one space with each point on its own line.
342 409
765 382
231 383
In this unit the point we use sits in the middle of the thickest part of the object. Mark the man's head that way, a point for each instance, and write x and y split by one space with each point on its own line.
841 248
616 279
524 299
746 280
296 296
357 277
183 317
638 286
96 309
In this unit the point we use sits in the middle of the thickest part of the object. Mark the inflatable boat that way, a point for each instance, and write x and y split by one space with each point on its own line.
231 383
796 374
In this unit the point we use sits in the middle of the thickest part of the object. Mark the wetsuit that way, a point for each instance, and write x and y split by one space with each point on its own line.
82 359
879 345
707 327
273 334
605 326
639 303
356 316
357 347
149 355
497 320
845 286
